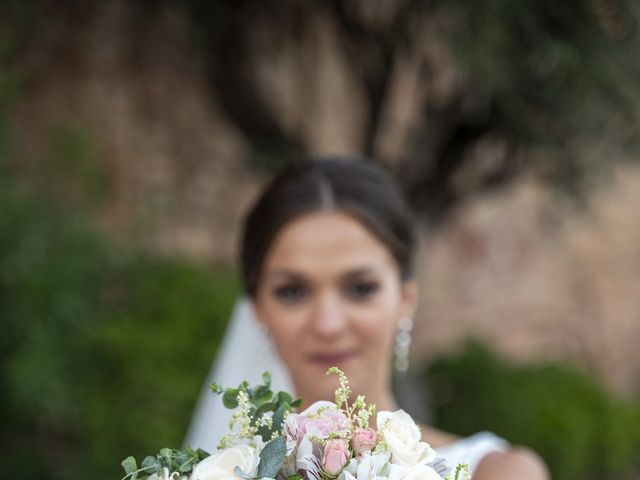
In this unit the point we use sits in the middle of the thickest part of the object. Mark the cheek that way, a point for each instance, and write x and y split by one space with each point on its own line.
375 331
285 326
375 323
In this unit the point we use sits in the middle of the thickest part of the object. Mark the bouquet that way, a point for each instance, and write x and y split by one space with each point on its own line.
327 441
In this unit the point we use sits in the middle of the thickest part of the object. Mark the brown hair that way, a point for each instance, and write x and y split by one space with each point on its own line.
356 187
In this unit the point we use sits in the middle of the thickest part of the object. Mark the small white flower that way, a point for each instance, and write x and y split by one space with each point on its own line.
221 465
402 436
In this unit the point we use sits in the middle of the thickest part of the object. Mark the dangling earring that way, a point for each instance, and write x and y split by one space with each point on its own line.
403 345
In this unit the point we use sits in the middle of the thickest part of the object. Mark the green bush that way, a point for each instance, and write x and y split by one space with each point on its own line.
102 352
581 430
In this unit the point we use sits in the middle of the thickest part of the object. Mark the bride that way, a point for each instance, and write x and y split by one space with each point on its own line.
326 261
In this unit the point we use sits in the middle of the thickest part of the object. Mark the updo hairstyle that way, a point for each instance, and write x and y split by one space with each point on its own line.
355 187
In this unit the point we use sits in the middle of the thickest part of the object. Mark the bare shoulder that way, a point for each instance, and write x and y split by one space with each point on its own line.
518 463
437 438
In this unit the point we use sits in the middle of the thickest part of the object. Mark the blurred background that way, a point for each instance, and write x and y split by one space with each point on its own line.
134 134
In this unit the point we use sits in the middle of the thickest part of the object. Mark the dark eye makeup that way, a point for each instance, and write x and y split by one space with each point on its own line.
361 290
290 293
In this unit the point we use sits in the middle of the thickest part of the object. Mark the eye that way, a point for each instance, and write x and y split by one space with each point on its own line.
290 293
362 290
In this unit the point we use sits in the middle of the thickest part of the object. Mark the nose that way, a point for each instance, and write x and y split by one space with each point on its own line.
328 317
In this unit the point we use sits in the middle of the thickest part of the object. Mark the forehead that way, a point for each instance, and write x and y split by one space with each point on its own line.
327 243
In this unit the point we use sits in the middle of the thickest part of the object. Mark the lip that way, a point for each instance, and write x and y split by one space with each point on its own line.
331 358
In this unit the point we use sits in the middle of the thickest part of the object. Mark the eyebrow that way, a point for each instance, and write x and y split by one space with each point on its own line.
357 272
284 273
290 274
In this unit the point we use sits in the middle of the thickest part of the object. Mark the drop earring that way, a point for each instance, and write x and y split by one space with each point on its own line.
403 345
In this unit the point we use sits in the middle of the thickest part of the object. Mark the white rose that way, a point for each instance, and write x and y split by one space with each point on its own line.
371 466
221 465
403 438
420 472
164 475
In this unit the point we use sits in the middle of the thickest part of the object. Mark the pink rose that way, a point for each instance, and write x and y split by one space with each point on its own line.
329 421
336 456
320 419
364 439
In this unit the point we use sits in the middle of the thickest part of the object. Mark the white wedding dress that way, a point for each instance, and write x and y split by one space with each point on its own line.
246 353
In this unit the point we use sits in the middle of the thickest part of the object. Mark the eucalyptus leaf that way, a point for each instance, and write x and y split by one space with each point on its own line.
129 464
230 398
166 452
262 394
148 461
272 458
278 418
266 378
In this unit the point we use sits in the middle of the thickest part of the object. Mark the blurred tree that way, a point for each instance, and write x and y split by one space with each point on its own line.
454 96
533 73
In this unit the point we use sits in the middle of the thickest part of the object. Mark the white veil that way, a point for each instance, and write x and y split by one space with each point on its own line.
245 354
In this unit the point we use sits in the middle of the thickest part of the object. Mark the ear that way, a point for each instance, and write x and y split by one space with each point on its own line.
409 300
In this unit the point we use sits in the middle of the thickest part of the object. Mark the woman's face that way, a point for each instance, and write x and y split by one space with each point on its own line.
330 294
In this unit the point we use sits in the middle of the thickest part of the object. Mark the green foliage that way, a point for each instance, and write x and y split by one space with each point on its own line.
580 429
103 352
271 458
262 403
163 325
259 402
172 460
559 80
548 63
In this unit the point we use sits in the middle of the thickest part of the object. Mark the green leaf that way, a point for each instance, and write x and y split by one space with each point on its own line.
129 464
148 461
272 458
166 452
261 395
264 432
230 398
202 454
296 403
278 418
266 378
238 471
284 397
216 388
